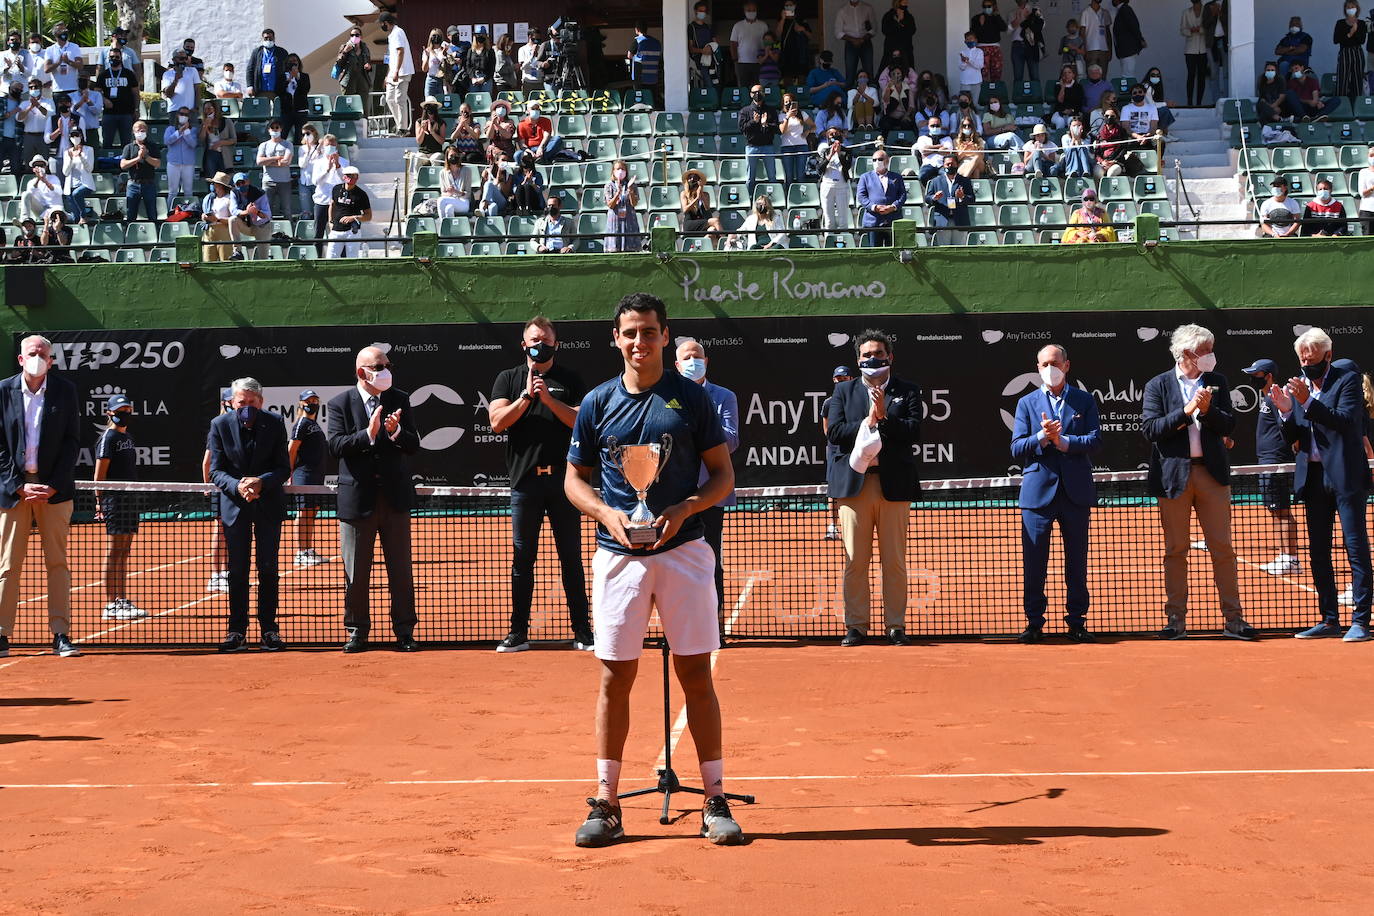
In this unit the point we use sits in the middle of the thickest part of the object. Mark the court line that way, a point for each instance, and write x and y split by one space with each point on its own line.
132 575
848 777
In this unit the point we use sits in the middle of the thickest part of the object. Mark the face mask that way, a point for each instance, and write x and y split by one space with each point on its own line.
1138 99
268 43
969 44
937 131
1294 29
1154 81
1110 119
183 118
76 141
619 174
380 380
1351 11
863 81
788 12
329 150
750 16
964 103
1052 376
35 47
1311 373
880 166
701 16
542 352
1270 74
693 369
14 46
1206 363
275 134
35 93
994 107
36 366
247 414
987 9
875 367
1324 195
311 409
122 421
141 135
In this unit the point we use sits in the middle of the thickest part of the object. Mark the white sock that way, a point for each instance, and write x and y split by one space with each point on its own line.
607 779
713 777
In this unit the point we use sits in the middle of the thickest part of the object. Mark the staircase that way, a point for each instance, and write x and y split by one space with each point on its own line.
381 163
1202 152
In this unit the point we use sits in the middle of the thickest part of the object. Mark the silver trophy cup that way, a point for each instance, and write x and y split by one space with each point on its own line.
641 466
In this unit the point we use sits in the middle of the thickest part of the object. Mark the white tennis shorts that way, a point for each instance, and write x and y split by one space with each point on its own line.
679 582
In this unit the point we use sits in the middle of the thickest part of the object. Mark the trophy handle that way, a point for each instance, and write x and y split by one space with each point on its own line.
665 448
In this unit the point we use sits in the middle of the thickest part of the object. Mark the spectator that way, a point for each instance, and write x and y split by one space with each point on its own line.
1295 47
622 219
114 460
1068 99
898 107
1094 87
1279 214
295 100
758 122
1271 96
430 131
1028 41
537 136
179 139
1276 492
1154 94
432 62
40 70
1089 222
120 88
969 148
64 59
118 46
26 241
455 66
854 26
327 174
1306 94
88 105
349 208
189 46
932 146
34 115
1350 36
1072 47
933 84
527 63
275 155
746 45
1076 157
78 183
551 231
266 65
833 115
1129 41
252 217
249 465
15 63
217 133
899 29
56 239
1096 118
141 160
881 196
797 129
1194 51
528 187
644 60
970 65
59 136
307 154
948 196
501 131
217 214
999 127
481 64
505 77
964 109
824 83
987 28
1097 35
306 451
763 228
496 190
228 87
1111 144
1365 189
863 104
794 39
770 60
701 45
1324 216
455 187
43 192
1040 156
11 101
179 84
400 68
694 201
1141 118
353 62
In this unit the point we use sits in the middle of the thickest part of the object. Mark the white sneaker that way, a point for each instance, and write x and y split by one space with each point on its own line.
309 557
1284 564
1347 597
219 581
1199 545
114 610
131 611
832 533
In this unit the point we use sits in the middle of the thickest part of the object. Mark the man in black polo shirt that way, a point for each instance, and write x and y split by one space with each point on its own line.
349 208
535 404
1276 490
119 87
306 450
141 160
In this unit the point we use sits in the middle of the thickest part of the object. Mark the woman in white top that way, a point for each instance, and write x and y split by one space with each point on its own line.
432 62
1365 188
307 154
217 211
455 187
78 183
795 149
835 196
326 175
762 228
865 97
44 191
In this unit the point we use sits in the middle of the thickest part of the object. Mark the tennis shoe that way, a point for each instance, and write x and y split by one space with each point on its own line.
1199 545
832 533
1322 630
1173 631
309 557
583 640
1285 564
272 642
717 825
4 646
114 610
1240 630
132 611
219 581
602 826
514 642
234 642
1358 632
853 637
62 645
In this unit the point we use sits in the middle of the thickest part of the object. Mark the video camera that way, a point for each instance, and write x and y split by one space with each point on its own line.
564 35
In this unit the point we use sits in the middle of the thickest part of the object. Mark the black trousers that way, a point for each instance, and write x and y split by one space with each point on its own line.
713 520
530 500
1197 77
239 538
356 539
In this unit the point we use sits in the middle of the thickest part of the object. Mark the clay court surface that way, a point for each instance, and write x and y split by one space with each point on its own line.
968 778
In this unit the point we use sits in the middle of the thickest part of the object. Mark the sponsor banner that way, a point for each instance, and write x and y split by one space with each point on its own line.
971 369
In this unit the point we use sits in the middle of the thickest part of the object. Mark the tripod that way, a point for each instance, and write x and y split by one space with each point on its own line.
668 783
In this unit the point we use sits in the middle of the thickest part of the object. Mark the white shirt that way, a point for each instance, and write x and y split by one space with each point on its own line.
186 94
64 75
529 65
931 150
34 119
1056 409
749 37
1095 24
33 422
395 42
324 178
1189 387
855 21
228 87
1366 184
222 206
1137 118
15 66
46 195
1313 453
970 66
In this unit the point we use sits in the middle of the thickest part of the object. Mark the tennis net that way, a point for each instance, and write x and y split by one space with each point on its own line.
783 577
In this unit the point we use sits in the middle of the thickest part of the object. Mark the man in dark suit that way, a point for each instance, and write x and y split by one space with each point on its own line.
948 195
1055 434
1323 409
874 483
249 466
1187 416
38 446
881 195
371 433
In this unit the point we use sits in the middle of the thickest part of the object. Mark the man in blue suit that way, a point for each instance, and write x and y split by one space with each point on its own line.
249 465
1323 409
1187 417
948 196
1056 432
881 195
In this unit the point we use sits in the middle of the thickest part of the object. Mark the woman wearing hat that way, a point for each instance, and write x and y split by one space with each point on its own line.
114 460
44 191
501 131
217 211
1089 223
430 131
698 217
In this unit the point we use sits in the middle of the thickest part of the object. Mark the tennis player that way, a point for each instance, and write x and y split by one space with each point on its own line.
674 573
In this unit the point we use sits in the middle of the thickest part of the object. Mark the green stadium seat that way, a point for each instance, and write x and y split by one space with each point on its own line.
1009 190
546 99
344 131
107 234
1340 110
731 144
703 98
169 232
81 235
635 124
840 240
484 249
1049 213
701 146
1317 158
157 111
981 237
601 148
731 219
1048 189
1256 159
693 244
669 122
733 195
1287 158
1364 108
634 147
512 97
1051 236
257 109
130 256
479 102
900 138
452 250
488 226
1244 135
1013 215
230 108
591 224
982 189
590 246
572 126
427 177
346 108
643 100
603 125
1353 157
565 174
455 227
663 197
1328 82
520 226
1340 184
416 224
592 199
773 190
772 96
981 215
804 241
318 107
1349 132
1239 111
1048 91
302 253
596 174
706 167
1118 188
703 123
803 194
989 89
9 186
1121 85
662 218
1313 133
1025 92
305 230
1018 237
525 247
568 198
1122 211
162 255
1160 208
1149 187
674 172
1000 162
605 101
733 98
573 101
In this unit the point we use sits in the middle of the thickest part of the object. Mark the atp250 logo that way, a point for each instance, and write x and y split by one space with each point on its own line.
69 355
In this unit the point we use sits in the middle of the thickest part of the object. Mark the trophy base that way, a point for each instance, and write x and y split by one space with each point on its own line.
641 535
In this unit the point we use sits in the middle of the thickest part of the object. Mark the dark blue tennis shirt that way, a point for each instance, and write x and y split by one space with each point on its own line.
674 406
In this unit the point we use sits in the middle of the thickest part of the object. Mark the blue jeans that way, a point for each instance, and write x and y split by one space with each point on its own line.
1321 507
854 56
794 162
1041 165
147 192
756 158
434 86
307 199
1037 526
531 499
1075 163
76 203
556 150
